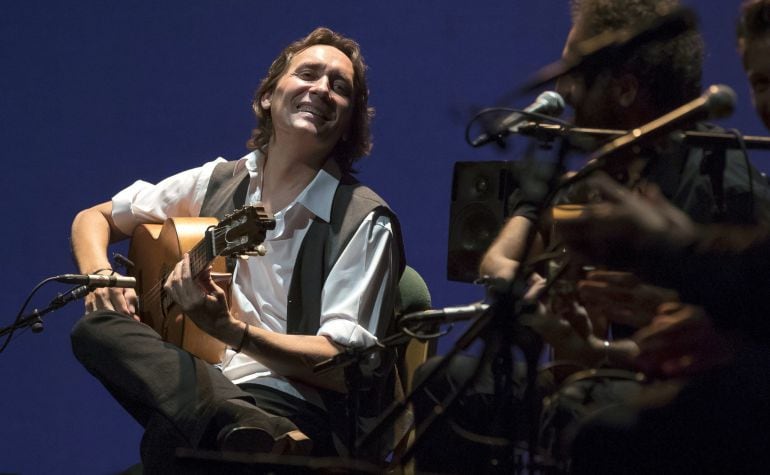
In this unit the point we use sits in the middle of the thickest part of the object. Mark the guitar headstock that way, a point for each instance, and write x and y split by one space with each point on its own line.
241 232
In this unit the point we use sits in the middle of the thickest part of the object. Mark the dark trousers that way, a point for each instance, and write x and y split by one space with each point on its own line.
177 397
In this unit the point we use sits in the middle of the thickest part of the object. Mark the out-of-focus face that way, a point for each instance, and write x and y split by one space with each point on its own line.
313 98
591 97
756 61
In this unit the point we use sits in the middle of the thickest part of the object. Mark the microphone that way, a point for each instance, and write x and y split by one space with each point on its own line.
716 102
421 317
443 315
97 280
547 103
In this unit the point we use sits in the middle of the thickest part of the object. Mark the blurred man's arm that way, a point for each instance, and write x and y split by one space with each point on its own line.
504 258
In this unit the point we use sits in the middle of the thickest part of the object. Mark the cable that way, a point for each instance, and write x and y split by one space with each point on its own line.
16 322
427 336
532 115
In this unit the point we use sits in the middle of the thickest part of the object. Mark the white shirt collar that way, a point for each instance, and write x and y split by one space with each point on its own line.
317 196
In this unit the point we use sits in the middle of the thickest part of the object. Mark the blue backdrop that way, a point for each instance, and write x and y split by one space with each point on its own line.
95 94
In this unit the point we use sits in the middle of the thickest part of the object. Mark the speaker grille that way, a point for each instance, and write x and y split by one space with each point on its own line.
478 209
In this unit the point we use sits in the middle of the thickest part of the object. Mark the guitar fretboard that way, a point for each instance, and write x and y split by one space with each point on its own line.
201 255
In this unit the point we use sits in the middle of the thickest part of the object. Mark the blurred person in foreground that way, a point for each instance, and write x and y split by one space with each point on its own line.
590 326
710 410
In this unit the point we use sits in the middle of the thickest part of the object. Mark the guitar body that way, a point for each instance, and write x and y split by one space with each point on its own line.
155 249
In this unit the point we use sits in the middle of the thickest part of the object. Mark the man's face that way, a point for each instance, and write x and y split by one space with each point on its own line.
756 60
589 95
313 99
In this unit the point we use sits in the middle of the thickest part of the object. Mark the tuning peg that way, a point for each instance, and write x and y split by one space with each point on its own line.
259 251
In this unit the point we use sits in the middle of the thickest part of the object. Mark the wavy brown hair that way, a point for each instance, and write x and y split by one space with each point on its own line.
354 144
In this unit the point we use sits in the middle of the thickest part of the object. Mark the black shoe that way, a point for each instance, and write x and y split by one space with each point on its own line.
249 439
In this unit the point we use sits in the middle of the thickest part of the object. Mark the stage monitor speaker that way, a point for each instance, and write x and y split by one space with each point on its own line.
480 193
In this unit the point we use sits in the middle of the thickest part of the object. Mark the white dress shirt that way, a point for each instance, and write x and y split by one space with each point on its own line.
354 290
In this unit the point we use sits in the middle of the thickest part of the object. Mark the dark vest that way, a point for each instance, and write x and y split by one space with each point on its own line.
320 249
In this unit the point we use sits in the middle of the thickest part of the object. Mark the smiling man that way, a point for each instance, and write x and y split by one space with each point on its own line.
327 281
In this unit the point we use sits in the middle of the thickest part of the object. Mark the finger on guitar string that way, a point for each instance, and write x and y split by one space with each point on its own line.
207 282
183 288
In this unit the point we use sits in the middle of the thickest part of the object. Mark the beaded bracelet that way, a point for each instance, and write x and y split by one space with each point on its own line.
243 339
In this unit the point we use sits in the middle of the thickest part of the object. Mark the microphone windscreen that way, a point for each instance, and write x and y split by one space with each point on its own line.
721 101
554 101
413 292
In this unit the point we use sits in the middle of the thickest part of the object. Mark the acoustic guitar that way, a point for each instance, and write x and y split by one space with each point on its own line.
156 248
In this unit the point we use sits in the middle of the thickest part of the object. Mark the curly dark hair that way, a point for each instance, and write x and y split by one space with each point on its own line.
670 70
357 142
754 21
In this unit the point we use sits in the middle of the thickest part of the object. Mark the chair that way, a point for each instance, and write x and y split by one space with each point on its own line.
413 296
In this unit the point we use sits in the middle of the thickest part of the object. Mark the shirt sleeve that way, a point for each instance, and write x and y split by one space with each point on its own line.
520 206
358 286
178 195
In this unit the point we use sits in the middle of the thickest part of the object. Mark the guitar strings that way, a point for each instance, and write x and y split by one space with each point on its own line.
154 294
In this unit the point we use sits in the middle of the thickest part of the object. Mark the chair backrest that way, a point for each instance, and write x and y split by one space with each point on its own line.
414 296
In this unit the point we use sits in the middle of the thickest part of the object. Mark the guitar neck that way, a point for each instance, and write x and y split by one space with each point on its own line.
239 233
201 255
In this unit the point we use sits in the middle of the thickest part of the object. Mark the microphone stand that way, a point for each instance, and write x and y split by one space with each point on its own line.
692 138
500 329
398 407
350 361
34 319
